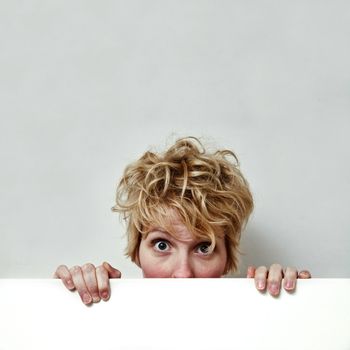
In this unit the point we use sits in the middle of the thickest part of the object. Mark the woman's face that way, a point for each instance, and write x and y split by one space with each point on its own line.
164 256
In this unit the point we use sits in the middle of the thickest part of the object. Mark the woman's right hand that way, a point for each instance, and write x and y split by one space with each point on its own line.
92 283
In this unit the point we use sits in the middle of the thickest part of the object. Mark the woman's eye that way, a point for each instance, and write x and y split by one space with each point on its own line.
204 248
161 246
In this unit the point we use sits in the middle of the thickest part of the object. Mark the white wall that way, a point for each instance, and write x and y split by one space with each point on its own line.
87 87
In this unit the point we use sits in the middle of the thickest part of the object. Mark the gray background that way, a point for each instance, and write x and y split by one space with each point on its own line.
86 87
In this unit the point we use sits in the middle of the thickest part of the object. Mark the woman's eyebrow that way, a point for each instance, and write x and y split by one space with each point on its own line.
159 229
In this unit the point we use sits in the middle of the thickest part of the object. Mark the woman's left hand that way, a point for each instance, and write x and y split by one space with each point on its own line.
272 279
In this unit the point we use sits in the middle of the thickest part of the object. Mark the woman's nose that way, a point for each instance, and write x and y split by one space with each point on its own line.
183 270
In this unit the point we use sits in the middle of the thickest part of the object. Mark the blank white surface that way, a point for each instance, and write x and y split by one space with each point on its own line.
176 314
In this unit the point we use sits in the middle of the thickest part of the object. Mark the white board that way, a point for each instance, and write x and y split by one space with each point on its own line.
176 314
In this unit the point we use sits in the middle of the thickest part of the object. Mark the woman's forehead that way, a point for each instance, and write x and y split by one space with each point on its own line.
179 231
172 224
168 218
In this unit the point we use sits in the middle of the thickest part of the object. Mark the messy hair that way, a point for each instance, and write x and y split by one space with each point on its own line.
207 190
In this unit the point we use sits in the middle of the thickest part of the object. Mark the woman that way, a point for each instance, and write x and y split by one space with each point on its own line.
185 210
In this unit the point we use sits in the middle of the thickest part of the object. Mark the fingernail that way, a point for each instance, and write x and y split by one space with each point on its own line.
274 288
86 298
96 298
261 285
104 295
69 283
290 285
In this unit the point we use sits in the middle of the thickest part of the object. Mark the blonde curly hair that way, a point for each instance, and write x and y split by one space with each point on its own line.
207 190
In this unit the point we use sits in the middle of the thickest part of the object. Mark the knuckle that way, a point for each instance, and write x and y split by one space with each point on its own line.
261 269
61 267
88 267
100 269
290 272
276 266
75 270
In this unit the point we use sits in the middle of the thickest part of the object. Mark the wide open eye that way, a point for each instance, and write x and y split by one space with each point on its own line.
161 245
204 248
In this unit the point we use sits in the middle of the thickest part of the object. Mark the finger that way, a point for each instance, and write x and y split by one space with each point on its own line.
103 282
304 274
260 278
251 271
89 276
112 272
63 273
79 282
274 279
290 277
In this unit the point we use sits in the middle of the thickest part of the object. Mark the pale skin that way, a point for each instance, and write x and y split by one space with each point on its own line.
162 255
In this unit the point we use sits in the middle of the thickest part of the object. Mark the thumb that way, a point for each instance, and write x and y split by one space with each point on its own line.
112 272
